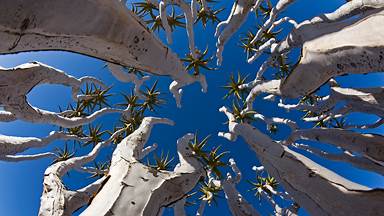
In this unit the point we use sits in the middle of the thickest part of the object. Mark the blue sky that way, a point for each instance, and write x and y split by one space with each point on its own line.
21 183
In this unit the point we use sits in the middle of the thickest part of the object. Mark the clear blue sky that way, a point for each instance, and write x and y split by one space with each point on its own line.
21 183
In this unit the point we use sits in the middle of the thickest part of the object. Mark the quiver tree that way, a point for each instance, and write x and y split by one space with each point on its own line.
319 190
73 26
331 45
10 146
346 41
19 81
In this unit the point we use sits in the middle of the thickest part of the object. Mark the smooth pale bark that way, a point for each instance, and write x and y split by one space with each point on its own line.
269 87
136 189
119 73
317 189
334 49
17 82
275 11
237 204
236 18
11 145
102 29
189 21
56 199
371 145
98 28
357 161
365 100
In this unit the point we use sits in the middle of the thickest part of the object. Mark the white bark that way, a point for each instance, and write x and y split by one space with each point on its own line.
176 86
319 190
275 120
56 200
6 116
366 100
11 145
237 204
17 82
102 29
189 21
359 162
236 18
119 74
18 158
276 10
178 209
333 49
135 189
371 145
269 87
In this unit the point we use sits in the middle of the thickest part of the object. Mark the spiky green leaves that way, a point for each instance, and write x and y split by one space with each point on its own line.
211 159
214 160
233 87
201 61
210 192
100 169
131 101
95 97
144 8
242 116
264 10
245 43
63 154
152 98
161 163
95 135
174 21
206 15
198 146
282 66
272 128
264 185
133 122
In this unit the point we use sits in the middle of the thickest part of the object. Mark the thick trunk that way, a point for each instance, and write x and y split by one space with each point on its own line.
136 189
103 29
334 49
317 189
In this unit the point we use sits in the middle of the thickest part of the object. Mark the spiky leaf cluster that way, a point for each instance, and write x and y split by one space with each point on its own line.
206 15
201 61
209 192
62 154
241 115
161 162
211 159
263 185
100 169
233 87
